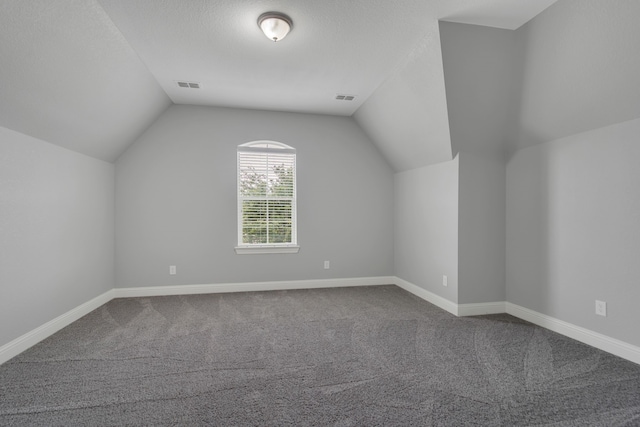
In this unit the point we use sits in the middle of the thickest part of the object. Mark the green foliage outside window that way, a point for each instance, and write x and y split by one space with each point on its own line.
267 203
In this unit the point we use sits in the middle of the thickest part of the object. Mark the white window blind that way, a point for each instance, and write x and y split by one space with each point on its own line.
266 194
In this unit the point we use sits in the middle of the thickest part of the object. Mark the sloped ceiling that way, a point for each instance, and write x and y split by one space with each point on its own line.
407 116
91 75
572 69
580 70
67 76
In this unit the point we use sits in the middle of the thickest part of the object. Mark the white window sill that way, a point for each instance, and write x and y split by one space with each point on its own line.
254 250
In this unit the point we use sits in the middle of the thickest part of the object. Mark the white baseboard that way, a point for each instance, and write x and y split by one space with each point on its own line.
594 339
610 345
434 299
22 343
251 287
478 309
603 342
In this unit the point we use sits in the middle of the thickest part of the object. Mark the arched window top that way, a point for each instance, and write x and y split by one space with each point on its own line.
266 198
266 146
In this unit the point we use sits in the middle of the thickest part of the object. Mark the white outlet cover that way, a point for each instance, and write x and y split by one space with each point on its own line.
445 281
601 308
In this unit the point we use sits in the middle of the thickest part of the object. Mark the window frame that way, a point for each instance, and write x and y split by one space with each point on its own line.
266 248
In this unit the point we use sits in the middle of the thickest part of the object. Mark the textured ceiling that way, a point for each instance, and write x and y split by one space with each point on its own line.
336 47
91 75
506 14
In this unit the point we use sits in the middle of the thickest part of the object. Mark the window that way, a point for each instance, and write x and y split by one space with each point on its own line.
266 198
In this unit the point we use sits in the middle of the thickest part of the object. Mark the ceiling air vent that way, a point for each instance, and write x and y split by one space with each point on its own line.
191 85
345 97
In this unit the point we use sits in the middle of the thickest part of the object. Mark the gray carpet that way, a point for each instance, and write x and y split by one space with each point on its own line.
373 356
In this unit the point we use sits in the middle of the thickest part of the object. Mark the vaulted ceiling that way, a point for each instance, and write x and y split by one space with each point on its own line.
92 75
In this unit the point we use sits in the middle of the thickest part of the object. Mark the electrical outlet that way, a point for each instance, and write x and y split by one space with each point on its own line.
601 308
172 270
445 282
327 265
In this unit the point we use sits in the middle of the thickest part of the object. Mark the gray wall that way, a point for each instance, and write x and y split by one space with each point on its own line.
481 72
481 232
426 227
480 69
176 200
56 232
573 229
572 202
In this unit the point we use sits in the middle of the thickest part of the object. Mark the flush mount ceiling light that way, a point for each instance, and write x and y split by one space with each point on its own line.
275 25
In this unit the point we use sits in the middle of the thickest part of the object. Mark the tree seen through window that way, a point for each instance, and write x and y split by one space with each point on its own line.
266 181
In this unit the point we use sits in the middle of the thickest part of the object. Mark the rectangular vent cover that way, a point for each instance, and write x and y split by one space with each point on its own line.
191 85
345 97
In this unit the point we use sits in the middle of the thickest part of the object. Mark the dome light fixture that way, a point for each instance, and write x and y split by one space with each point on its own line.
275 25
